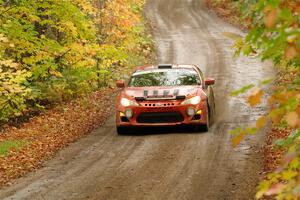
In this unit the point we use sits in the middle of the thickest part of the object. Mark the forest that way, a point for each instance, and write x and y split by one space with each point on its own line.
52 51
274 34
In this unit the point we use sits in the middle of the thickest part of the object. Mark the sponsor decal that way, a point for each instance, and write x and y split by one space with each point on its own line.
145 93
176 92
166 93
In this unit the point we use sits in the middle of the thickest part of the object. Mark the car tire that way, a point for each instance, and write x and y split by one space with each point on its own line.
212 109
205 128
213 113
122 130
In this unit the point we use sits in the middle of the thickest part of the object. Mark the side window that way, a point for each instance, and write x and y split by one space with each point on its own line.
201 75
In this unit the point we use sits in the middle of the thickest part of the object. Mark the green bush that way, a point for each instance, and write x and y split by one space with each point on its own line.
51 50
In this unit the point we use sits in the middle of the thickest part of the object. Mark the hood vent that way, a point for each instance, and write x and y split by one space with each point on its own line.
165 66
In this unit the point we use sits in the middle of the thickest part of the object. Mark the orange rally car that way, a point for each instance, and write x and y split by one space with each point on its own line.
165 95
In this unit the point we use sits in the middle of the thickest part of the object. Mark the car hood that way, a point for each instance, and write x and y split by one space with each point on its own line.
162 91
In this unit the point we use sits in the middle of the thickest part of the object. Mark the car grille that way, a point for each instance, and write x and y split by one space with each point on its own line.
160 117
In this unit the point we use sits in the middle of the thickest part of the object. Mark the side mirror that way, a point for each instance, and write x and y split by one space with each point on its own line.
120 84
209 81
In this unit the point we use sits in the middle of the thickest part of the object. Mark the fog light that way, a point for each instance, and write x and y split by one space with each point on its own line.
128 113
199 112
190 111
122 114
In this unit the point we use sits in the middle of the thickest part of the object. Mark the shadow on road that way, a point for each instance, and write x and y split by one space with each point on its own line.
165 130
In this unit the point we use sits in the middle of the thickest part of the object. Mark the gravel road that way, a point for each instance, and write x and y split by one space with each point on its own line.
166 164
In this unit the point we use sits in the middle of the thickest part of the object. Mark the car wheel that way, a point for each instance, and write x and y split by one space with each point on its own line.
212 109
212 115
122 130
205 128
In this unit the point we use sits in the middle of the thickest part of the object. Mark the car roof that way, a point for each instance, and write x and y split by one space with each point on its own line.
171 66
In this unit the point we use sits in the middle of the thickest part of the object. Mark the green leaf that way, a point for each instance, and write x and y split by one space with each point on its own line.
242 90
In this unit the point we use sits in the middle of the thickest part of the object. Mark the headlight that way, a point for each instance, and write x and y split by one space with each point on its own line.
194 101
126 102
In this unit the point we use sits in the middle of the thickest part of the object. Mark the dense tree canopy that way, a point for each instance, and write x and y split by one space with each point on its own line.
52 50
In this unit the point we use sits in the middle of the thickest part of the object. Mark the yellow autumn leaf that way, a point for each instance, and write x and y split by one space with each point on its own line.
270 18
291 38
55 73
276 116
261 122
288 175
297 9
291 52
271 101
281 98
3 38
292 119
275 189
9 63
298 110
255 97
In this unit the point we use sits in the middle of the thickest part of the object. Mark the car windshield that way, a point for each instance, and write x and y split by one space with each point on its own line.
165 77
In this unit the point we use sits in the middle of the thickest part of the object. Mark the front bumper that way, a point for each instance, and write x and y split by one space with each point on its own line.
144 116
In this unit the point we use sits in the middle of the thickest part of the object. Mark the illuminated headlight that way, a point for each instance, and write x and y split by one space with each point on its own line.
190 111
126 102
194 101
129 113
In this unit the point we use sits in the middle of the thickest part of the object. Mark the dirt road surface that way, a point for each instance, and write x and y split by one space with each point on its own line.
166 164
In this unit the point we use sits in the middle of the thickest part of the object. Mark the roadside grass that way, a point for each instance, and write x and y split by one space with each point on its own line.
7 146
26 148
229 11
